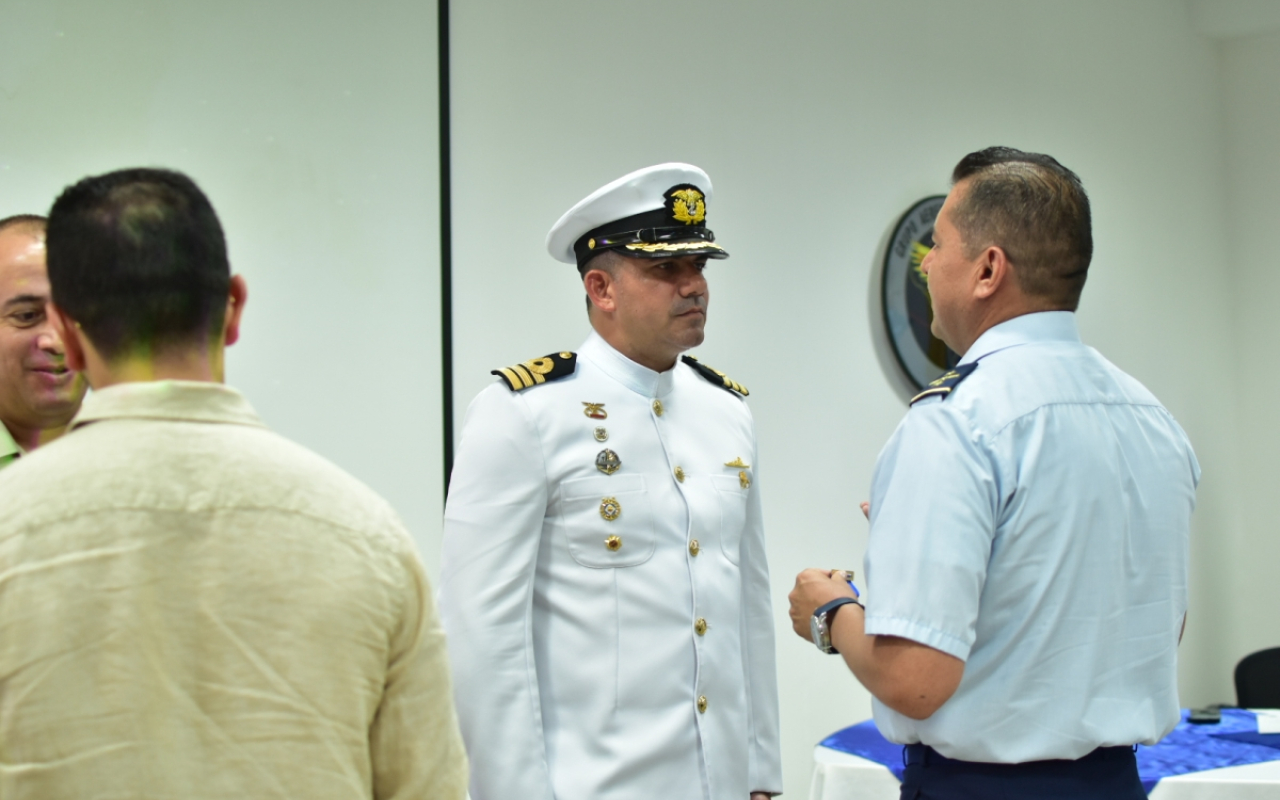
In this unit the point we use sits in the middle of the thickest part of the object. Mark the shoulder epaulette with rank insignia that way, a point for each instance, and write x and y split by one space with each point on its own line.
715 376
538 370
949 380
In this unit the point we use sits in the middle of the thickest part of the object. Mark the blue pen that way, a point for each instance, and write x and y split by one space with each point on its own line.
848 578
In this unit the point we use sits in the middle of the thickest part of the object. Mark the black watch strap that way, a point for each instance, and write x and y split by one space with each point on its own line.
828 609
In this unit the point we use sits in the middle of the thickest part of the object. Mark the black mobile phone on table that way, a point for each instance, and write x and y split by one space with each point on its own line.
1210 715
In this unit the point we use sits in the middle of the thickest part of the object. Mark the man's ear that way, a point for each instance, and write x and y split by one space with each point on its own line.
237 296
69 332
993 272
601 288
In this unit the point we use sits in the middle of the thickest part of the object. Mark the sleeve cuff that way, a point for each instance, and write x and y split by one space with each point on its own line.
907 629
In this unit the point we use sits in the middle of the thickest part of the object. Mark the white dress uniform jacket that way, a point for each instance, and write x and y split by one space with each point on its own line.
611 659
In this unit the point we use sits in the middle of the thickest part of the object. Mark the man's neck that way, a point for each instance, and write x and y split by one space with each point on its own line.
28 439
615 339
186 365
1000 314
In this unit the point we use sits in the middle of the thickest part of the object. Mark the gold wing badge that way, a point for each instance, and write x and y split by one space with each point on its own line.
537 371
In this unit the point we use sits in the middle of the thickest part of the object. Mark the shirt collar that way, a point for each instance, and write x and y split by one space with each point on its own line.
9 449
187 401
636 377
1042 326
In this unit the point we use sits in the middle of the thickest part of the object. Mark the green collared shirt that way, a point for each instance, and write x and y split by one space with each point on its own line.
9 450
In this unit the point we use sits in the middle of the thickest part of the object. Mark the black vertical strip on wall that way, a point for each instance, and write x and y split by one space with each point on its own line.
446 240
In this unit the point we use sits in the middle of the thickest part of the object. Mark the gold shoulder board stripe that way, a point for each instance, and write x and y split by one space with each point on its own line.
715 376
947 383
535 371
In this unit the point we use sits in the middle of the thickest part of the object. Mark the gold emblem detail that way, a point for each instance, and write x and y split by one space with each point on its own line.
614 543
566 355
744 479
702 704
918 253
680 474
694 547
700 627
737 464
595 410
608 462
611 509
591 244
601 435
688 206
657 407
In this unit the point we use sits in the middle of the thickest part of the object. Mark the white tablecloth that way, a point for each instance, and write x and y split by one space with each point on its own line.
840 776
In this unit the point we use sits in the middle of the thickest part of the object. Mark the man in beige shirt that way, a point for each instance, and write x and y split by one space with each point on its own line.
38 394
190 605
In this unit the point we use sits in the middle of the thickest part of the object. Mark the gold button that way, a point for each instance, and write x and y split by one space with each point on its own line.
657 407
700 627
680 474
614 543
694 547
702 704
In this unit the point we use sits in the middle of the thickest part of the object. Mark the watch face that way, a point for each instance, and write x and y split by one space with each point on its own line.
815 630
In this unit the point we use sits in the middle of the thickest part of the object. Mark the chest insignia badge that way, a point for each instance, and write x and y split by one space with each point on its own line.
608 462
610 508
737 464
595 410
744 479
601 435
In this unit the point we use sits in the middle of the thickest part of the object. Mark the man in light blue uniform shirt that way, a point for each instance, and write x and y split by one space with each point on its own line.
1027 565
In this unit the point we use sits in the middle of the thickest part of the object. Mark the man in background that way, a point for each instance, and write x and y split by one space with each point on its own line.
38 394
194 606
1030 522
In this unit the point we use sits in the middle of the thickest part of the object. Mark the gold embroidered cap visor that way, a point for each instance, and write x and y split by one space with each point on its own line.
655 212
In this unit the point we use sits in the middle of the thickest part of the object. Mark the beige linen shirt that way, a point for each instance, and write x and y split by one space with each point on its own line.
194 607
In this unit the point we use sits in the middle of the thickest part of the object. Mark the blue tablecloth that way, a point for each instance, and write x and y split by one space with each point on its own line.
1189 748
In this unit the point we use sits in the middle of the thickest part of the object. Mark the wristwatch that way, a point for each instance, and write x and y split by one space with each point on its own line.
820 623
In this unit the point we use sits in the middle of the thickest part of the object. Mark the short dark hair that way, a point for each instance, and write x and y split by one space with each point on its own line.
138 259
1037 211
28 222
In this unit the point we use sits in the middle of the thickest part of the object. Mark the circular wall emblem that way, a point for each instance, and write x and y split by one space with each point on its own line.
905 296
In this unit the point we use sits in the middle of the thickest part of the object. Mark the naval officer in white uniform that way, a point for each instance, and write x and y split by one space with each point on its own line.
604 586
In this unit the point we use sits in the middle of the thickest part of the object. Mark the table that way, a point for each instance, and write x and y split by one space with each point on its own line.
841 775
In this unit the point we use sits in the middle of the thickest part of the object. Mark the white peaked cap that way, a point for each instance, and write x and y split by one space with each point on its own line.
645 190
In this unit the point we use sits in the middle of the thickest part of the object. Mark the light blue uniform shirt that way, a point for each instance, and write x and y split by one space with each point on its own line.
1035 523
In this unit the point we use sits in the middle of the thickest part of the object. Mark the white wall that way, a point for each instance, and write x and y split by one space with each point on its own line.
313 129
819 123
1251 102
